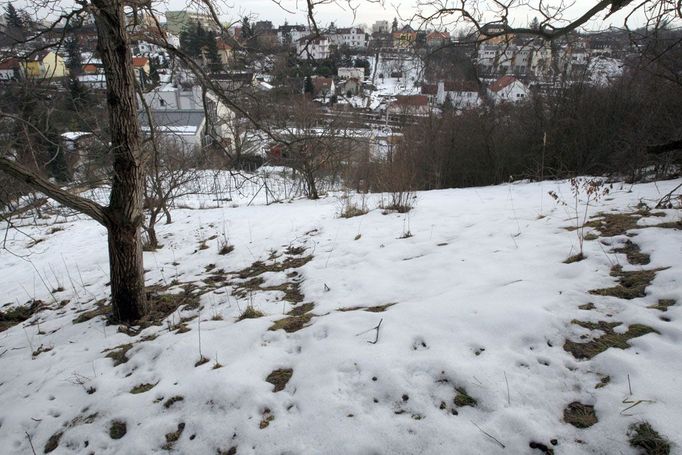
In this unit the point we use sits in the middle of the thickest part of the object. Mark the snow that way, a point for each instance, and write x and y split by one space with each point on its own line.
482 298
603 70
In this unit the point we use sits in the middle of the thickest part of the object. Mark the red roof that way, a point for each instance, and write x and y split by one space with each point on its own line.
140 61
9 64
89 68
412 100
438 36
502 82
461 86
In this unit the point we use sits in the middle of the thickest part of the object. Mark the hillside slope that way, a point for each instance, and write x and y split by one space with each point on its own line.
455 328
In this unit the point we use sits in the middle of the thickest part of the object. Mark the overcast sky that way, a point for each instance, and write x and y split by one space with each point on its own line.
367 12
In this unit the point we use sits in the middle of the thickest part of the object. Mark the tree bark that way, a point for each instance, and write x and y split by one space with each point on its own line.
127 187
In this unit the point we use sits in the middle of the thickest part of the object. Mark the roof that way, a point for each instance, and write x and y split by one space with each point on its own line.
9 64
461 86
89 68
322 83
140 61
438 36
501 83
412 100
429 89
174 121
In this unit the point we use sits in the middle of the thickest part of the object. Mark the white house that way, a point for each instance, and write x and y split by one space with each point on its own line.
507 89
288 35
351 73
353 37
462 94
316 48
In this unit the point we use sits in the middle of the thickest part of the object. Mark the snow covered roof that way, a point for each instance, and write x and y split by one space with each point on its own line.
501 83
175 121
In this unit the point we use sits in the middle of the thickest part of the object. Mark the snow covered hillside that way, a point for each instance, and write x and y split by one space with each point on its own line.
457 328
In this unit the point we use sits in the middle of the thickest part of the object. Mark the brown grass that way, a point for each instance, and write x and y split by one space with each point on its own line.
643 436
101 309
632 251
610 339
53 442
575 258
371 309
173 436
279 378
250 313
260 267
631 284
172 400
301 309
19 314
292 323
119 353
663 304
580 415
142 388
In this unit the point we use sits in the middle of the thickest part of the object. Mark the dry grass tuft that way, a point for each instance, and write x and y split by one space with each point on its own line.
172 400
575 258
643 436
580 415
101 309
117 429
173 436
119 353
250 313
19 314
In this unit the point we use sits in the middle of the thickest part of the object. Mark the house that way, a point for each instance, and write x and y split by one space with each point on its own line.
184 128
381 27
90 69
313 47
235 80
225 51
437 39
404 39
409 105
349 73
219 121
323 86
44 64
352 86
10 69
177 21
93 81
288 35
353 37
141 64
461 94
507 89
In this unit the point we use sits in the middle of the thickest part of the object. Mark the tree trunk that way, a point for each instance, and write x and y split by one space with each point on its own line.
124 214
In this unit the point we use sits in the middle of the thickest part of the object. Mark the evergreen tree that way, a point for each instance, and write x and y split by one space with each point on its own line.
535 24
12 17
14 23
247 31
309 87
394 27
73 52
214 61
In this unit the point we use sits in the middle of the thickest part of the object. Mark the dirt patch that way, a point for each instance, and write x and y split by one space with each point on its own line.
371 309
279 378
142 388
119 353
172 400
19 314
259 267
587 306
301 309
173 436
632 251
266 419
663 304
609 339
575 258
580 415
162 305
101 309
117 429
292 323
643 436
612 224
631 284
603 382
462 398
53 442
